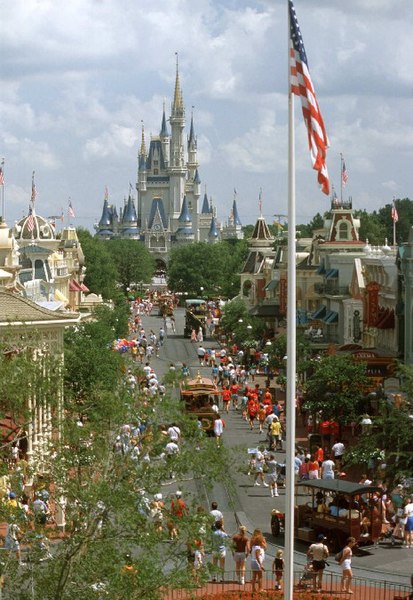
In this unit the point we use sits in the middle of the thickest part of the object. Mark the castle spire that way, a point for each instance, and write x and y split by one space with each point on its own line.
178 103
164 130
142 151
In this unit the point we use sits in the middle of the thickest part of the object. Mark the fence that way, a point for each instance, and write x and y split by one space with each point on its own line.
228 588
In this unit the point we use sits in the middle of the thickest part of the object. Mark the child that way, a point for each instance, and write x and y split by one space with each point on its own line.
278 568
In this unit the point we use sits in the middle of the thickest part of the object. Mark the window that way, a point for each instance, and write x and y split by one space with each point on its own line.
343 230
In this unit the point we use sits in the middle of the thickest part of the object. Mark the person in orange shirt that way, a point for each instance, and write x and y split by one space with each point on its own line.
252 408
319 455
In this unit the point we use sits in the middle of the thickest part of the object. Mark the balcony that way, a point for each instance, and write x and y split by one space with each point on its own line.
331 289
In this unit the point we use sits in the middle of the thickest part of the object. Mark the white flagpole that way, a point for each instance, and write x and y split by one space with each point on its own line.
291 349
3 195
394 223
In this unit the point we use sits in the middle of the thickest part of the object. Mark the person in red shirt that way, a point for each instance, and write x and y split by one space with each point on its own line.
178 510
252 408
234 394
226 398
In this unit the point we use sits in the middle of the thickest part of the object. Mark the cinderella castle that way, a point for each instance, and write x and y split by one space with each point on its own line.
168 187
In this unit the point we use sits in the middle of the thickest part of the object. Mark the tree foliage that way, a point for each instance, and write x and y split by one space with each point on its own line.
239 324
133 261
101 271
107 493
336 388
213 267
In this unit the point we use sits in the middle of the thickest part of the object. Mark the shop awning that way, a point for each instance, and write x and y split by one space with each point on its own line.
332 274
84 288
272 285
386 320
321 269
60 296
331 317
320 312
74 286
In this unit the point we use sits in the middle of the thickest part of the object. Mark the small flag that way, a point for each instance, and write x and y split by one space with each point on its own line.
34 191
62 216
301 85
394 213
1 174
70 211
235 192
344 174
260 202
106 193
30 220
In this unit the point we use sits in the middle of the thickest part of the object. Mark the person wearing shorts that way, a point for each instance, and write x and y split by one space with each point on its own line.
408 528
318 552
240 552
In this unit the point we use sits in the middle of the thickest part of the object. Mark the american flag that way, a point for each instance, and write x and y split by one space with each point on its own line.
1 175
301 85
30 220
34 191
70 211
344 174
394 213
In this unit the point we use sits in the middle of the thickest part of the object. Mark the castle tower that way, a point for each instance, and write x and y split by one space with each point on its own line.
177 168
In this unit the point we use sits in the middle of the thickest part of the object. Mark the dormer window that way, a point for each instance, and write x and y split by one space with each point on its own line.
343 230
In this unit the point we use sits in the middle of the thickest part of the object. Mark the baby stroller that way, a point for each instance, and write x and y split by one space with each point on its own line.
307 577
392 534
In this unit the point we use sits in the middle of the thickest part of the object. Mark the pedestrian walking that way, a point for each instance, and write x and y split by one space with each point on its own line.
219 550
241 549
219 425
259 469
318 552
278 568
200 335
272 470
345 562
201 355
258 546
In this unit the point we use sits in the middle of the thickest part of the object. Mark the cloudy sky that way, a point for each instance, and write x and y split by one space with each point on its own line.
79 76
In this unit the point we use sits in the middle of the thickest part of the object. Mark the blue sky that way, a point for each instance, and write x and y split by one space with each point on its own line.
78 77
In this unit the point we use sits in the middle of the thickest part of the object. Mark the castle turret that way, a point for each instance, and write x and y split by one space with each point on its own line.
177 168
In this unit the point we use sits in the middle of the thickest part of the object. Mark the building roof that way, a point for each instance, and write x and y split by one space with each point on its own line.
261 231
15 309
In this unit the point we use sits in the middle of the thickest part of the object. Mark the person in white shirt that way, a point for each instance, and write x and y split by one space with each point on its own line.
327 468
218 430
408 528
338 452
174 432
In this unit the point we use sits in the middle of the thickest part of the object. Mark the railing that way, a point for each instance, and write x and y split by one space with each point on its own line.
229 588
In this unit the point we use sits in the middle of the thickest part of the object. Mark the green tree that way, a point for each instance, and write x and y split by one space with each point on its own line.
405 213
317 222
239 325
336 388
101 273
133 261
213 267
372 227
107 493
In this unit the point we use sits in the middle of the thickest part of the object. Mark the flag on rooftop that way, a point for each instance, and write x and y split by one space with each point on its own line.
301 85
344 174
30 220
70 211
2 173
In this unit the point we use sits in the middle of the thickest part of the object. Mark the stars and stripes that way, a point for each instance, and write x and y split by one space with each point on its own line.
301 85
2 174
344 173
30 220
70 211
394 213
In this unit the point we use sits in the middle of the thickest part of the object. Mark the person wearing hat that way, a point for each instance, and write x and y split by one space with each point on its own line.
318 553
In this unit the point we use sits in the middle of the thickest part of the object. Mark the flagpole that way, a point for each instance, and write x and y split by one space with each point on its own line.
341 179
3 193
291 349
394 222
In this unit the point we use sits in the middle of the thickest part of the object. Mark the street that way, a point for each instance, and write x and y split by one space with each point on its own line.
243 503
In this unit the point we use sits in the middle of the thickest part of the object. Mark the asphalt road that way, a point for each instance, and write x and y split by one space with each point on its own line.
250 505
